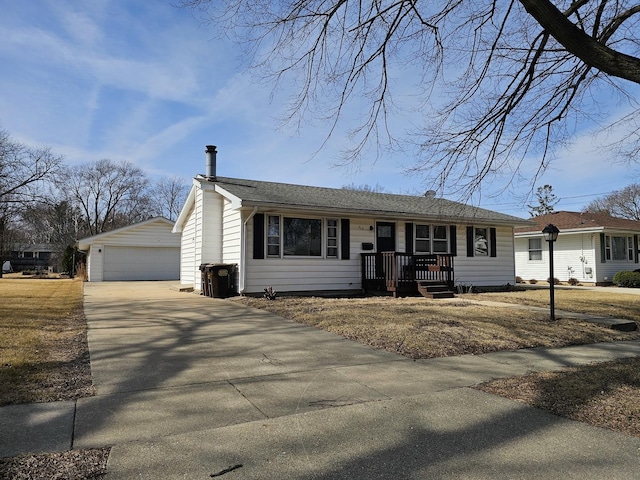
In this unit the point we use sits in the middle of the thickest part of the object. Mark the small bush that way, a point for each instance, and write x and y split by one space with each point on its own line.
573 281
627 279
555 281
519 280
533 281
270 293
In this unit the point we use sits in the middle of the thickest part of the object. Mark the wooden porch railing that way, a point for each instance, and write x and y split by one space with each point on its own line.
400 272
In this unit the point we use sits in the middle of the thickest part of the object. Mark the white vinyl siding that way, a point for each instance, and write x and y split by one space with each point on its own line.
231 234
574 256
188 249
485 270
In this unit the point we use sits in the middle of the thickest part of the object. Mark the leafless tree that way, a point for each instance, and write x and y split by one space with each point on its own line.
24 171
168 195
24 174
57 223
623 203
109 194
502 83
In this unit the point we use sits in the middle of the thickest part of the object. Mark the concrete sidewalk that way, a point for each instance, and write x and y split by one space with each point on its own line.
190 386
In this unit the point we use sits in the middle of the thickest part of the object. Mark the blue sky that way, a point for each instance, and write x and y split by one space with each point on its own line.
146 82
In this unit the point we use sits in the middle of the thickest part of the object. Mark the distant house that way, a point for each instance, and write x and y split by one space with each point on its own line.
31 256
590 247
298 238
142 251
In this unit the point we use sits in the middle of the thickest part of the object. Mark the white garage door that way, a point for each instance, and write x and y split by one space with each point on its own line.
141 263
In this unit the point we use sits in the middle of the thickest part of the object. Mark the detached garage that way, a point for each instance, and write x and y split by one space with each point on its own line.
143 251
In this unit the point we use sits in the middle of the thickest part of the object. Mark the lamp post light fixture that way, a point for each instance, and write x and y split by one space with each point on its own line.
551 235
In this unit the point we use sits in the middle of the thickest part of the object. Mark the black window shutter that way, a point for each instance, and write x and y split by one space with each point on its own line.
453 241
345 232
603 249
470 242
258 235
493 242
635 248
408 235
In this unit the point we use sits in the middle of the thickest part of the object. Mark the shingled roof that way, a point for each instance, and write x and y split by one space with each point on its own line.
284 195
577 221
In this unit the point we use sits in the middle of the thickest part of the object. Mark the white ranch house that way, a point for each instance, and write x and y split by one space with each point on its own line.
298 238
590 248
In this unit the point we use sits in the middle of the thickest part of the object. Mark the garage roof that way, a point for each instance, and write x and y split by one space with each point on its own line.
85 243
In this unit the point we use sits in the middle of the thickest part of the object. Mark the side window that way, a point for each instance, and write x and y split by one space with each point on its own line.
332 238
535 249
273 236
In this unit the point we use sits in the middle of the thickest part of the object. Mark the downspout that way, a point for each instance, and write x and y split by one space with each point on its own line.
243 252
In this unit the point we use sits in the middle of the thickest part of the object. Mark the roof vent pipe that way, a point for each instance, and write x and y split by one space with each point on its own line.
211 162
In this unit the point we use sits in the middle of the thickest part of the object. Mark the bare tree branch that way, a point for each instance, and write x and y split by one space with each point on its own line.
501 83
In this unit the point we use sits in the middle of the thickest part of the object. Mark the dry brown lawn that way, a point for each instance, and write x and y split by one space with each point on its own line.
605 395
421 328
608 303
44 357
43 343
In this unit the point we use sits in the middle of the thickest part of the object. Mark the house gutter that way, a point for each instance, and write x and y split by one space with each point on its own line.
243 251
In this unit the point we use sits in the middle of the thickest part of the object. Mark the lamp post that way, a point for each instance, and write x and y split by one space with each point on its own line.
551 235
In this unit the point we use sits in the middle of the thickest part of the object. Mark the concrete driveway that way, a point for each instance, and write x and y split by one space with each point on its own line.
191 387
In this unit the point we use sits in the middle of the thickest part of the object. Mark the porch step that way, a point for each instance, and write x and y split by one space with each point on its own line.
434 290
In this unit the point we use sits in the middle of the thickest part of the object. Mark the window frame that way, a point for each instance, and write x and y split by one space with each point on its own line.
531 250
431 238
270 236
332 223
326 223
627 249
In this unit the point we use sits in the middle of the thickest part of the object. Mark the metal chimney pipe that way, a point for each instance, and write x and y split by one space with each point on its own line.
211 161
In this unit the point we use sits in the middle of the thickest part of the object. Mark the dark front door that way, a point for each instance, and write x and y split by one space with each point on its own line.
385 237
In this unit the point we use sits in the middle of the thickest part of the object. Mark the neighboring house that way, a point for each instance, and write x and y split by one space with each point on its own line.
31 256
590 247
143 251
298 238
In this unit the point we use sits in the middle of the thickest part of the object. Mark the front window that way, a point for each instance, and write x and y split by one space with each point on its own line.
619 248
423 239
535 249
440 241
302 237
481 241
431 239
